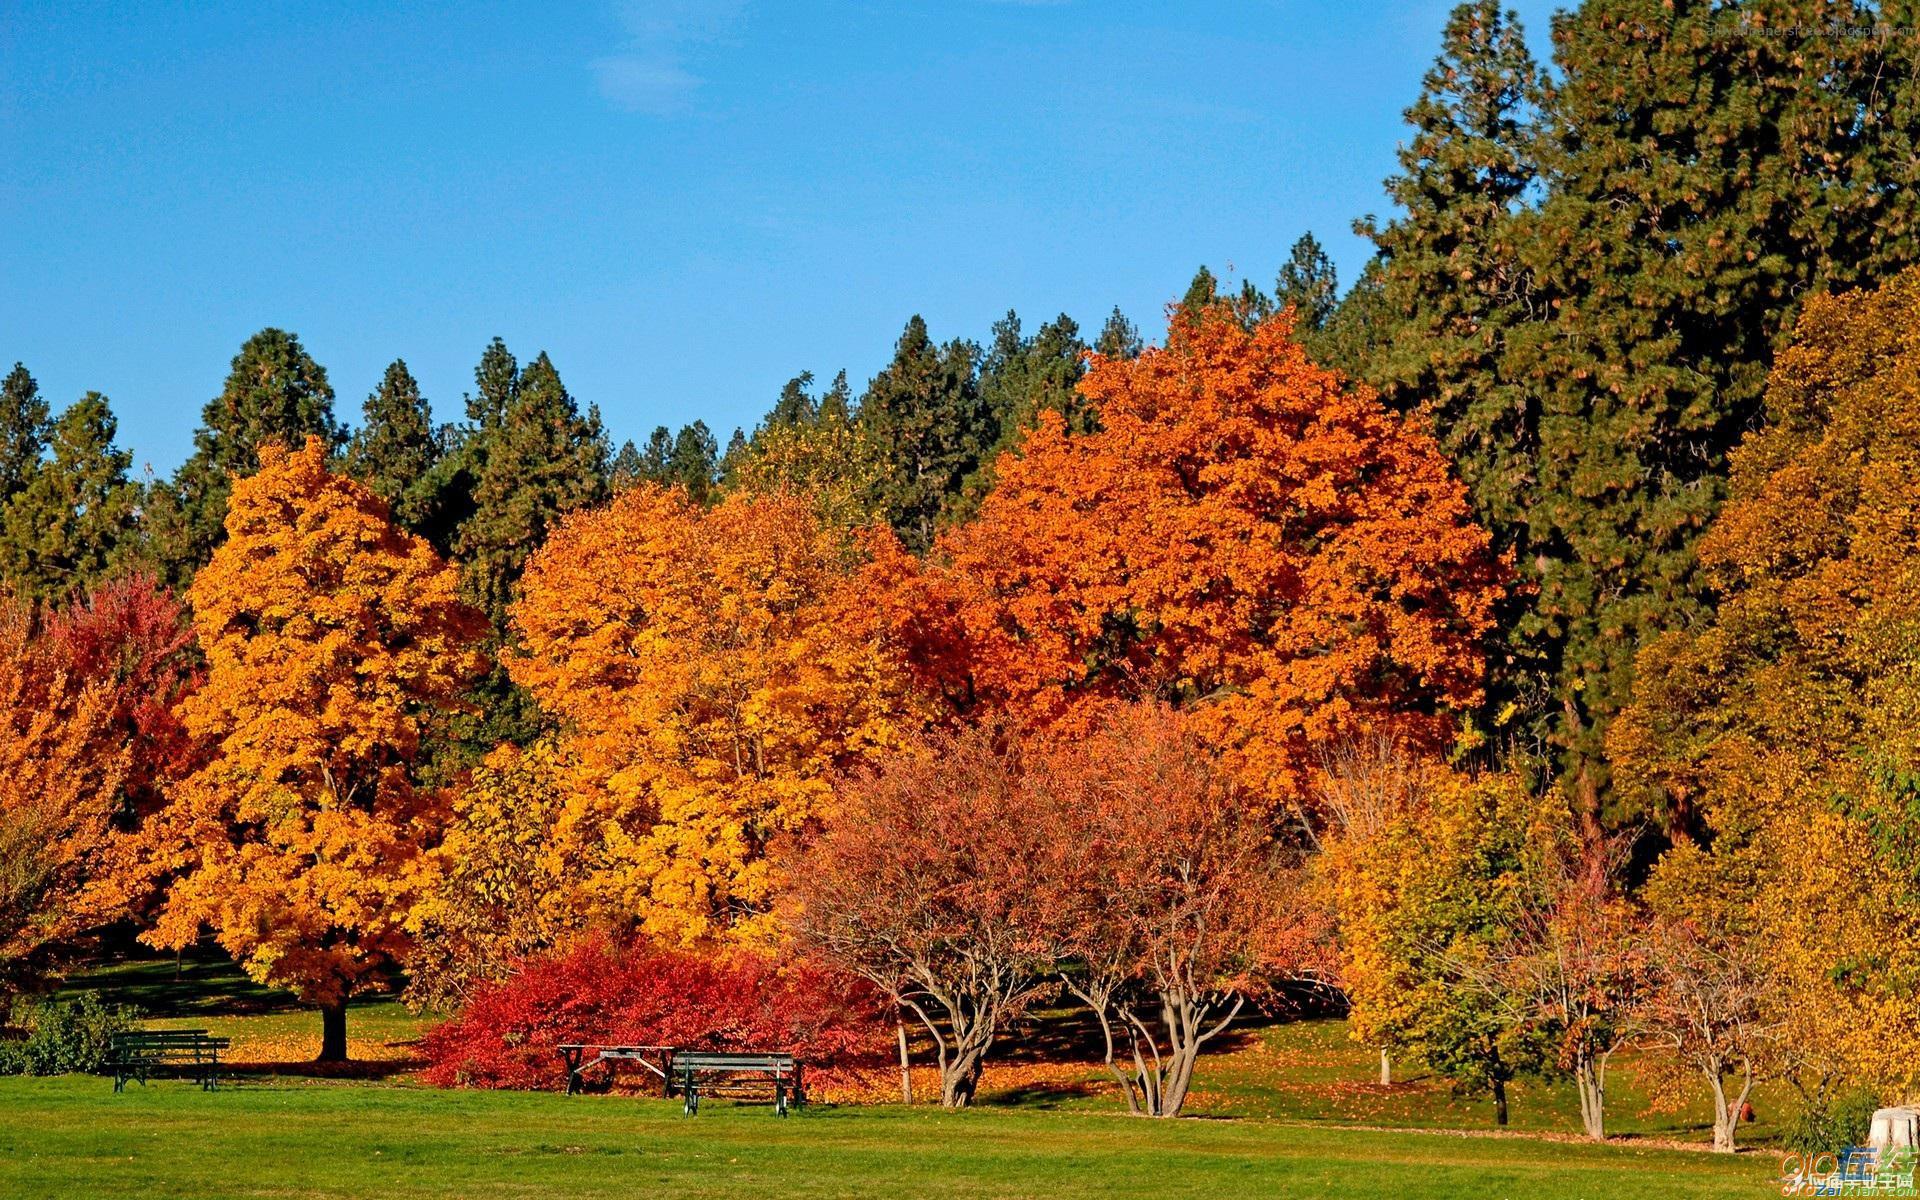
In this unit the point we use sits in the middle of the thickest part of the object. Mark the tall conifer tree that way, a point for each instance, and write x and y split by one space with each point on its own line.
74 521
275 393
924 414
397 449
23 430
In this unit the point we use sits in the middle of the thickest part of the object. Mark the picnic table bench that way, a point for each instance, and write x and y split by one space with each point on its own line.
581 1056
190 1053
687 1068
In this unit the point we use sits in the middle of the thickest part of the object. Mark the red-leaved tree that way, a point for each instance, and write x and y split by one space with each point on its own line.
1171 898
600 992
929 880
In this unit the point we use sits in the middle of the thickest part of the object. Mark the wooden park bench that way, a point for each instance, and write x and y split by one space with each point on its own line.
782 1069
142 1053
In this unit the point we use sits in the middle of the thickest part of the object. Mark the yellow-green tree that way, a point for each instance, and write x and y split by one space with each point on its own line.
1785 727
332 639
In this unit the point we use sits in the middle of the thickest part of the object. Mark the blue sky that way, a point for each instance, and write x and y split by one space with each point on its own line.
684 204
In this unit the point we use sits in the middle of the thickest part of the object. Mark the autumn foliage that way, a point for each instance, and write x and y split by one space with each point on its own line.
332 639
650 995
711 670
62 764
1247 534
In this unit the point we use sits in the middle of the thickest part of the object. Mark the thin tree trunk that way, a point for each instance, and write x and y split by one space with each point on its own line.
1386 1068
1726 1111
1589 1081
906 1069
1500 1103
333 1032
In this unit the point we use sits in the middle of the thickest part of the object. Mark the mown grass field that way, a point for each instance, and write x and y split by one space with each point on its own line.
1289 1110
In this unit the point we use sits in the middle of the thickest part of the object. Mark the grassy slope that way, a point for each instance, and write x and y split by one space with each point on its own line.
1049 1126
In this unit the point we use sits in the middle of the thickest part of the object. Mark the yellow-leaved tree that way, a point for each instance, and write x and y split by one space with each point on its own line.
332 639
1781 735
712 669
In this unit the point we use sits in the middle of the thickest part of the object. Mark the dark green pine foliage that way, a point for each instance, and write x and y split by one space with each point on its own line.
796 405
1202 291
628 467
657 462
274 393
397 450
1707 164
694 463
1020 378
1119 337
1449 277
526 459
733 458
532 458
1310 284
929 427
73 523
1353 338
1428 321
836 403
23 430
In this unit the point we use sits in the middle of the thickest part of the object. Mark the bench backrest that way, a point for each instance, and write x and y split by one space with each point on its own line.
700 1060
167 1039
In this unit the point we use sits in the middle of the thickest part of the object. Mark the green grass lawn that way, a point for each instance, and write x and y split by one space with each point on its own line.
281 1138
1285 1110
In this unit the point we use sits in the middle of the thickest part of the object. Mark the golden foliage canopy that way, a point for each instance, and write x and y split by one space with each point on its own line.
332 638
711 669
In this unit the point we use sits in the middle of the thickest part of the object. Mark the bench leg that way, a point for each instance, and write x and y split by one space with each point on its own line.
779 1098
693 1097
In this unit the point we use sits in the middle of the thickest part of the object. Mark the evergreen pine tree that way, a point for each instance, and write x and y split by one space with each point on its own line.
1119 337
924 415
796 405
628 467
397 449
657 463
836 404
23 430
1309 283
695 461
1707 164
537 460
274 392
73 523
1021 377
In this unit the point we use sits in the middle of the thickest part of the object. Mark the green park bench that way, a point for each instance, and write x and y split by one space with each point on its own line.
782 1069
142 1053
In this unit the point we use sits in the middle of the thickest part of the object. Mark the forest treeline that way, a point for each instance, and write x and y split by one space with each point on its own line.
1541 598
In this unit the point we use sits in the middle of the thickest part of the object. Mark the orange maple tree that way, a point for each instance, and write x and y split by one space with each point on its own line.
711 671
331 637
62 764
1248 535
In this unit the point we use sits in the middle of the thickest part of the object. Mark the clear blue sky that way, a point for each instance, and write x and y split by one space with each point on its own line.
685 204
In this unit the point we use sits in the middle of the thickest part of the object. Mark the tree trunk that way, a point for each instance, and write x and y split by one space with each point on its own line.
906 1069
333 1032
1386 1068
960 1077
1726 1109
1500 1103
1589 1080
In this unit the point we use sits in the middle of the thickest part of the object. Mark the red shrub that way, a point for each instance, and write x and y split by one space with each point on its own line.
647 995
